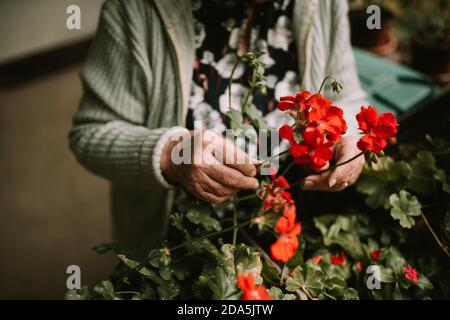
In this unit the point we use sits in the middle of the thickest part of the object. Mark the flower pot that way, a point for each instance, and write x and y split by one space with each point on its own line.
434 61
379 41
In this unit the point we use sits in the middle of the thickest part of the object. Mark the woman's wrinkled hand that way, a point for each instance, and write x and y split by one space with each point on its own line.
213 171
343 176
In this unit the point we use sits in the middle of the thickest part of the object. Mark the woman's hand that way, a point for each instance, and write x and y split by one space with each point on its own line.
342 176
216 169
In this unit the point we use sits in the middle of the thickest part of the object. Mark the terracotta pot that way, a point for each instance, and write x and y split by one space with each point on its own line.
431 60
379 41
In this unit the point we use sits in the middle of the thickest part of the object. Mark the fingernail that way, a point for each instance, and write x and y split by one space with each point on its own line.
331 183
255 162
308 184
256 185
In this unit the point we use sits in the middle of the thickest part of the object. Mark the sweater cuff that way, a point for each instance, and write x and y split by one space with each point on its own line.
156 158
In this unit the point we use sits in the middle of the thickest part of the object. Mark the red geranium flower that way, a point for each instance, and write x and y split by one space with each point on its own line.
317 259
375 254
327 118
338 260
294 102
411 273
250 291
313 150
358 266
287 132
286 245
377 128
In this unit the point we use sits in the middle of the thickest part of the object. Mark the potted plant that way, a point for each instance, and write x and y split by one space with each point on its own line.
429 22
380 41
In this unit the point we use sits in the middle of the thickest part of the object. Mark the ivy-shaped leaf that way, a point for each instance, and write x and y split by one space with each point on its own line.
106 290
222 284
85 293
424 171
277 294
340 230
307 278
380 180
256 117
203 218
404 207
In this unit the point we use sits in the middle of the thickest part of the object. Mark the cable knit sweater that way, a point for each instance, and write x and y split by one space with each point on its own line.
136 83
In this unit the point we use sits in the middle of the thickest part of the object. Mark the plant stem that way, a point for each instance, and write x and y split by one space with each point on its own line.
329 296
212 234
230 82
274 157
234 220
324 81
287 168
237 200
443 246
283 273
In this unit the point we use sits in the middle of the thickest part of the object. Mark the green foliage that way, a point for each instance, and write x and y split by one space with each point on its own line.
197 260
380 180
404 208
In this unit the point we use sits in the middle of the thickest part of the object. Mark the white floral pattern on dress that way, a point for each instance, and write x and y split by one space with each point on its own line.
209 118
280 37
288 86
225 66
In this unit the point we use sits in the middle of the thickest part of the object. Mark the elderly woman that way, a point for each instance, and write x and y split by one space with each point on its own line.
156 66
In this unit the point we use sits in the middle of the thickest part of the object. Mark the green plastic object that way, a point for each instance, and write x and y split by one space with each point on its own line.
391 86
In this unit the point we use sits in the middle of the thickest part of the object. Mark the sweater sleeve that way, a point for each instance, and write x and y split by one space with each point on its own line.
342 65
109 136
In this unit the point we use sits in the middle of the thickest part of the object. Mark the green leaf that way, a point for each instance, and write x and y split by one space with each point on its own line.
424 171
85 293
340 230
146 272
404 207
277 294
203 218
106 290
395 260
256 117
222 284
248 261
424 283
308 278
442 177
382 179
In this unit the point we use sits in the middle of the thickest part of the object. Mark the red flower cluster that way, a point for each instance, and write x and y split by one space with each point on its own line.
277 198
377 129
280 201
411 273
288 229
251 291
322 125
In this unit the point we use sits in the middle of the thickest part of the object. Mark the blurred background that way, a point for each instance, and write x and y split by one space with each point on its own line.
52 211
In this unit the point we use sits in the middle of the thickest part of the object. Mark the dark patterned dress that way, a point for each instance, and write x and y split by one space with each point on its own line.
224 29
